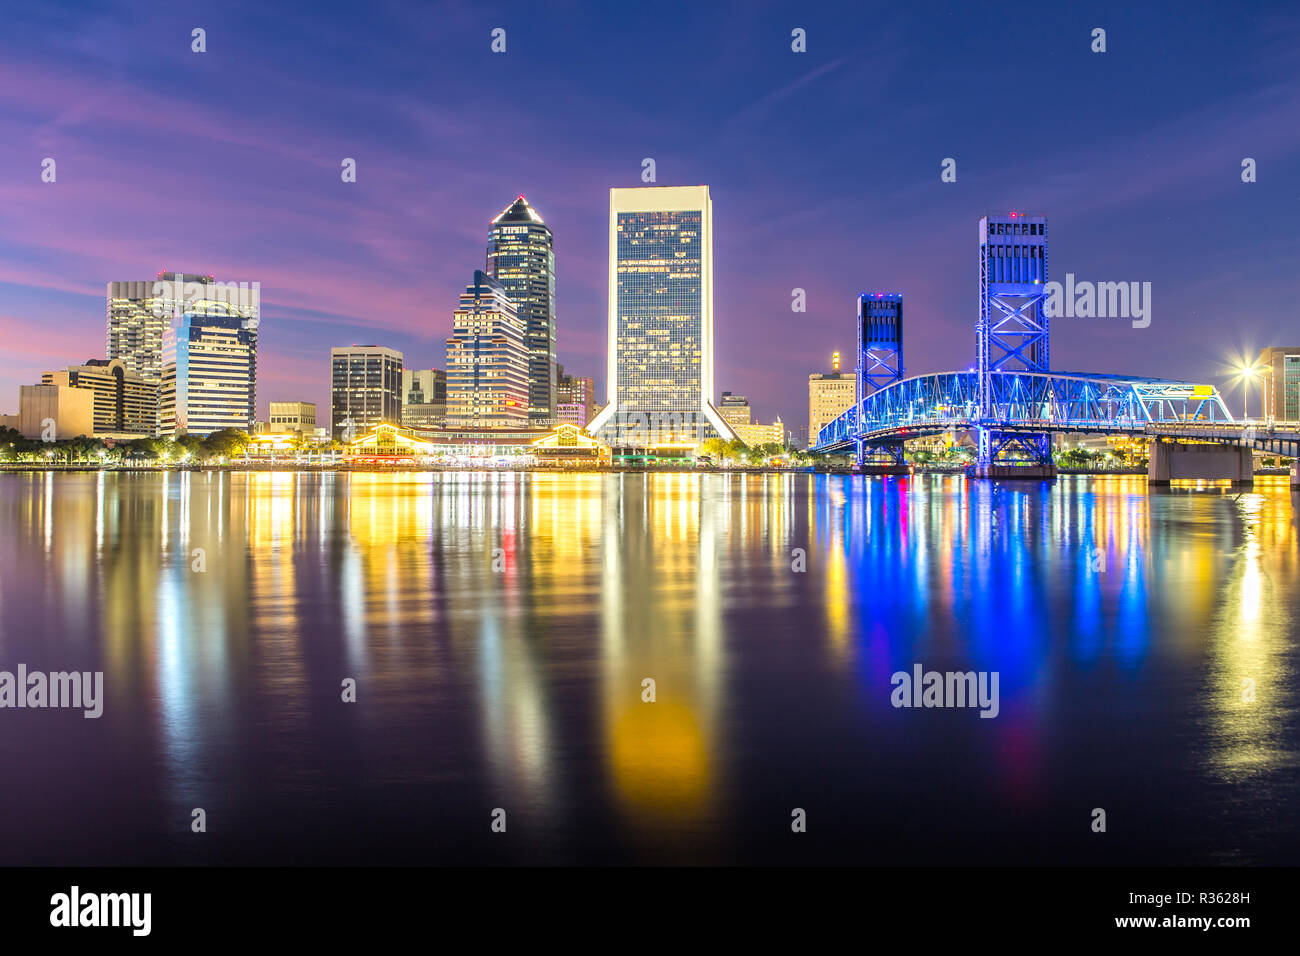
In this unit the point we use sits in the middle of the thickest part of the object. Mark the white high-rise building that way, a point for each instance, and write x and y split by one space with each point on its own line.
660 361
140 313
209 375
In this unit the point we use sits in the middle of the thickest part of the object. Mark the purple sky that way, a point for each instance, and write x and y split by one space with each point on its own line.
824 169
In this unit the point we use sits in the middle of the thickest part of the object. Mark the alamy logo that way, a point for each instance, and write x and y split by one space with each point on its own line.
36 689
1099 300
923 688
172 294
75 908
640 428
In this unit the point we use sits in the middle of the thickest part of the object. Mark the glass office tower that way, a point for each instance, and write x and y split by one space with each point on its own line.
521 260
660 361
365 389
209 375
141 312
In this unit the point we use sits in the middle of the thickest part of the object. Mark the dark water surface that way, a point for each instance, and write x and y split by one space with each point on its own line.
1124 627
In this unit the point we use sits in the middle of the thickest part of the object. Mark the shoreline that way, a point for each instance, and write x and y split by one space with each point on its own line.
20 467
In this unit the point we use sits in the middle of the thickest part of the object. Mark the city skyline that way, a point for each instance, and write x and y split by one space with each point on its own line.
438 437
784 162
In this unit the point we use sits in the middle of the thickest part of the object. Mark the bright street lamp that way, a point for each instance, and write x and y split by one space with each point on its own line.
1246 374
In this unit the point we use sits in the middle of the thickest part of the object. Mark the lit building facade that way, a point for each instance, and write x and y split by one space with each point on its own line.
209 375
286 417
569 445
125 405
487 360
424 398
753 434
365 389
660 331
830 394
55 412
1280 386
735 410
521 260
140 313
575 399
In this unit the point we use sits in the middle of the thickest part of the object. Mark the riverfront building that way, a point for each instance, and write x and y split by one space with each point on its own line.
830 394
734 409
125 405
575 400
54 412
521 260
141 312
424 398
209 375
365 388
754 434
487 360
288 417
1281 383
660 330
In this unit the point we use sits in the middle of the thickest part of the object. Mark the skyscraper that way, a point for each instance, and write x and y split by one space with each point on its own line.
140 313
365 389
521 259
660 364
487 361
209 374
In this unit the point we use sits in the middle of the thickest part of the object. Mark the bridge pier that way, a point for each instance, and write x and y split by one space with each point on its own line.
1295 473
992 461
1033 470
1175 461
871 468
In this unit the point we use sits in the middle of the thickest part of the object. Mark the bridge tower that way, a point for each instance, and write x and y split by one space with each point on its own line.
1013 330
880 349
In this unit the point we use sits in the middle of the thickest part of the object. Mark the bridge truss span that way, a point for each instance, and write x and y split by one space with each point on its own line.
1020 402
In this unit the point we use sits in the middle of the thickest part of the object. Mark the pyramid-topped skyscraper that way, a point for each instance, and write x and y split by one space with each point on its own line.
521 259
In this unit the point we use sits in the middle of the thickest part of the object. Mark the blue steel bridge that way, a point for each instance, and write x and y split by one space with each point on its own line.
1024 407
1012 400
1028 407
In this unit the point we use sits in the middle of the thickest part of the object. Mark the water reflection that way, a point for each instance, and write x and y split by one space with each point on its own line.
500 626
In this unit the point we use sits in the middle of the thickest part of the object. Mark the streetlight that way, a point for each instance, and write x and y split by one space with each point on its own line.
1246 374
